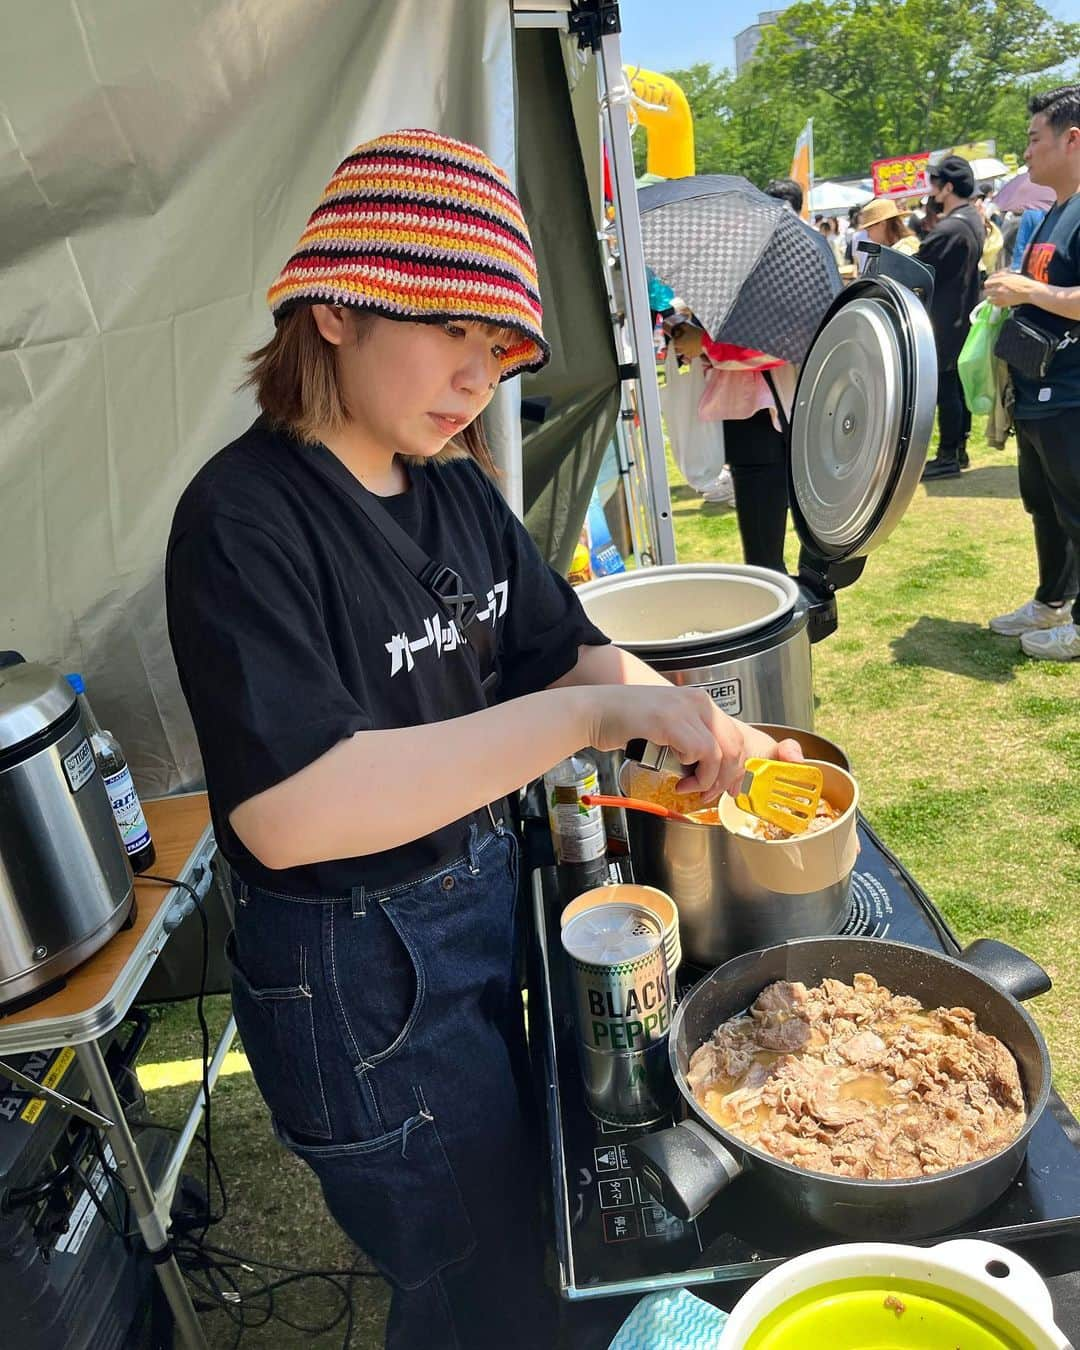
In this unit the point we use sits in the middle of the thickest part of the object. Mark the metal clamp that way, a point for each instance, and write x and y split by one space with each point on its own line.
663 759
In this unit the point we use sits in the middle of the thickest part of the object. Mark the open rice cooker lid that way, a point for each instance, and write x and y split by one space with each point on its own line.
688 607
862 419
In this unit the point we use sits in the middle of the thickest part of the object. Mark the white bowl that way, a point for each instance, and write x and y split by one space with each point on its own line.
994 1278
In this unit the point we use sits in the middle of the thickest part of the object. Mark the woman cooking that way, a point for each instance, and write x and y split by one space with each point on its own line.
360 721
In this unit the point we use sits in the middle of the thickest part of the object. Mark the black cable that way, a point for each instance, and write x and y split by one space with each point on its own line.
22 1197
119 1226
196 1138
196 1256
217 1265
253 1317
292 1270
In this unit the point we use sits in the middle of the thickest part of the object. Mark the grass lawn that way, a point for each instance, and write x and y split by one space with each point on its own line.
968 755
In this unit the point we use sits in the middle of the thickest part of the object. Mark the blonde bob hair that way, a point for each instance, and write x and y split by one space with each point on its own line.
295 379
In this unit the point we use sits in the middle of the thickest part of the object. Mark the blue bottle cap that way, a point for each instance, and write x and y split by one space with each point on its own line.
76 682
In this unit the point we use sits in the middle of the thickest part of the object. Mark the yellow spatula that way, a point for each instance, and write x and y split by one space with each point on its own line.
786 795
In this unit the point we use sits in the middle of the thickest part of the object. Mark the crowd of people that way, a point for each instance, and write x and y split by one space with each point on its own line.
1029 262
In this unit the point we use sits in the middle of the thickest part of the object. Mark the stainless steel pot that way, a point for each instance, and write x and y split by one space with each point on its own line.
736 893
686 1167
742 633
65 882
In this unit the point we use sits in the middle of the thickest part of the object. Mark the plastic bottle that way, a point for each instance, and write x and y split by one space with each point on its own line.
580 567
126 806
604 557
577 832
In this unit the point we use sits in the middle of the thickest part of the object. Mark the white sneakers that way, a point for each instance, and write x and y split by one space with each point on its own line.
721 490
1060 643
1031 618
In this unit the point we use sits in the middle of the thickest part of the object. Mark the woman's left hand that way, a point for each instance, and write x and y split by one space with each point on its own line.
761 746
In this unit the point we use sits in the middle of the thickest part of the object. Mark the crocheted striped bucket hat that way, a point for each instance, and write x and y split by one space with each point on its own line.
414 225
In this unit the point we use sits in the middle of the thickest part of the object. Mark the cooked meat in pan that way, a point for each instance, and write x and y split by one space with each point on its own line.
854 1080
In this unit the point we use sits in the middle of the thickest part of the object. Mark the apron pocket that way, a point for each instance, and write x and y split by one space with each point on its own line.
396 1197
277 1030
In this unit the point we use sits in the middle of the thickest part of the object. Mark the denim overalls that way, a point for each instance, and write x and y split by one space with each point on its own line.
385 1031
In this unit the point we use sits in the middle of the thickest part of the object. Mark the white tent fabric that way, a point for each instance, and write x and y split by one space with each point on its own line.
157 164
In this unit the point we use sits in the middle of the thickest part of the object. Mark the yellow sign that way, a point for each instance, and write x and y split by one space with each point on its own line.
975 150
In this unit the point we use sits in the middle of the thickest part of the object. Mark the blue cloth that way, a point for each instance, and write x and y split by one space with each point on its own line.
671 1320
660 294
385 1031
1029 222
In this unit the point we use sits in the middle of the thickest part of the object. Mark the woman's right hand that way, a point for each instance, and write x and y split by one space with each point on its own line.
686 719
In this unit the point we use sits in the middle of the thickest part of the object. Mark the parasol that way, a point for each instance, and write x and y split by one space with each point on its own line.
753 273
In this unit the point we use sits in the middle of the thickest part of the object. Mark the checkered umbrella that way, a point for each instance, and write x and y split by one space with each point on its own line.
753 273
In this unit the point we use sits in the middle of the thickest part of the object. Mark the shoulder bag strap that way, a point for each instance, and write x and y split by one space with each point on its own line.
785 421
441 582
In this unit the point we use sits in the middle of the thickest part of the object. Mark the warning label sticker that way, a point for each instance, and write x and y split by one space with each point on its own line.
51 1079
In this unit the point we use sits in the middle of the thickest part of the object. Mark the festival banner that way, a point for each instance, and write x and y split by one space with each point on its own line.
802 164
903 176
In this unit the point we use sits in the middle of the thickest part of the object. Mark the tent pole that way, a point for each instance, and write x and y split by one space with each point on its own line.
635 287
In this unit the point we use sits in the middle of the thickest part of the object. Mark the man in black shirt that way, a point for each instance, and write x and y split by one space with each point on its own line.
1046 293
953 250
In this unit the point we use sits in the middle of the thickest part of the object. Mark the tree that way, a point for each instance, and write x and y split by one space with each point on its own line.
739 124
879 77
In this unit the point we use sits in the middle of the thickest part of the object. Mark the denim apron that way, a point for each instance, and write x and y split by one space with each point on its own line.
385 1031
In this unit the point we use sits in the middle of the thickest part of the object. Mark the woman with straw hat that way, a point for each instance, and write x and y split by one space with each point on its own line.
883 223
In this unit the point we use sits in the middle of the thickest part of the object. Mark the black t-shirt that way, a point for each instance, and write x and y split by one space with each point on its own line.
953 249
1053 256
294 626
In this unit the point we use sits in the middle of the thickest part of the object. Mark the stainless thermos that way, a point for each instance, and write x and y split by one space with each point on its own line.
65 882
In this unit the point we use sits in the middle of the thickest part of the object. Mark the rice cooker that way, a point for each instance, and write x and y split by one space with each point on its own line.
65 882
860 428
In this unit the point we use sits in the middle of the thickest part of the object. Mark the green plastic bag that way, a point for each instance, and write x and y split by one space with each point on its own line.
976 364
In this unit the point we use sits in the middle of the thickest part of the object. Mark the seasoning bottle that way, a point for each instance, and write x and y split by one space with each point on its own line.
130 819
577 831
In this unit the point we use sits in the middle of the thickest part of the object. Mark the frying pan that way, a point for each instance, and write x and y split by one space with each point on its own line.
684 1168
